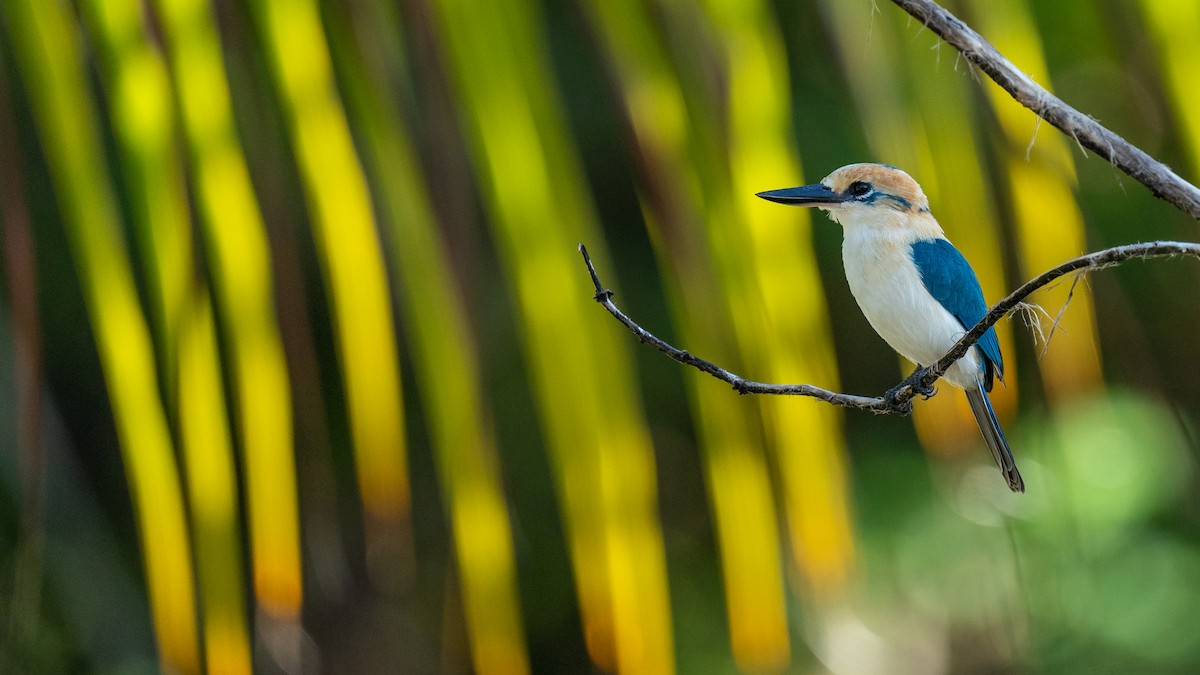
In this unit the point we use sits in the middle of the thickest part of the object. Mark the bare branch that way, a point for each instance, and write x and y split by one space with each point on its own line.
899 398
1161 180
740 384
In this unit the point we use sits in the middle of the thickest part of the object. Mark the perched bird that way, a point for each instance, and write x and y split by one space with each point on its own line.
916 290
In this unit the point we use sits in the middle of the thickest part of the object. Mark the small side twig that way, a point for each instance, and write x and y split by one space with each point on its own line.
901 396
1054 327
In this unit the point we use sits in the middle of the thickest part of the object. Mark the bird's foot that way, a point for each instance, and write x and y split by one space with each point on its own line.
925 391
915 383
899 397
894 401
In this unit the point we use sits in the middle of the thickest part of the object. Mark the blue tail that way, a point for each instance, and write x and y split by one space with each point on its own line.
985 416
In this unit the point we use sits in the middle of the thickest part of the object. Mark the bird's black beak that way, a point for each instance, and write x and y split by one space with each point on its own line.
805 195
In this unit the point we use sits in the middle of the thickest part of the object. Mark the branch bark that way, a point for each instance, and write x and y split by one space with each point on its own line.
899 398
1162 181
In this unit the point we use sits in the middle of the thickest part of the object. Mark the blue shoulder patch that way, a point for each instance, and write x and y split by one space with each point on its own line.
951 281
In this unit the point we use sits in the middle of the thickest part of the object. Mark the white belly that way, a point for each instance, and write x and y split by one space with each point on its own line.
889 290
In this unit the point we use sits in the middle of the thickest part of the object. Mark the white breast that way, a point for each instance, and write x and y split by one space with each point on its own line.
888 288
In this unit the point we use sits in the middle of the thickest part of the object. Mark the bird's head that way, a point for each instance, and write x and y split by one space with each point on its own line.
872 195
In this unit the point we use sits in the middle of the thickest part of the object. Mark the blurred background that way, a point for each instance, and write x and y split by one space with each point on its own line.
300 369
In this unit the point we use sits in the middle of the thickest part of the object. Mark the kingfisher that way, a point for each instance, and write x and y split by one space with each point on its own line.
916 290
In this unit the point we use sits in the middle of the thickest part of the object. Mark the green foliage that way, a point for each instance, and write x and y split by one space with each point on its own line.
300 369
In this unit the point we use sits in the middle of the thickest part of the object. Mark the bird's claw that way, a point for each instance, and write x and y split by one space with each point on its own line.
893 400
913 383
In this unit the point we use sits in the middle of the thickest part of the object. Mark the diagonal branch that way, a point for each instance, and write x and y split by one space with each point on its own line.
1161 180
898 399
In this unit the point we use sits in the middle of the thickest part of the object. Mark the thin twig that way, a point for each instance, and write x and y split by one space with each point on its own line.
740 384
898 399
1087 132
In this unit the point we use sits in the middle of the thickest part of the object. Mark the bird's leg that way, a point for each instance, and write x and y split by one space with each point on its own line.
925 390
913 382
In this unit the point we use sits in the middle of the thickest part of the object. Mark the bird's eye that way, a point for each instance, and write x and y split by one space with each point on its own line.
859 188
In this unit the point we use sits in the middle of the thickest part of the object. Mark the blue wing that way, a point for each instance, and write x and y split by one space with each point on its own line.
951 281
